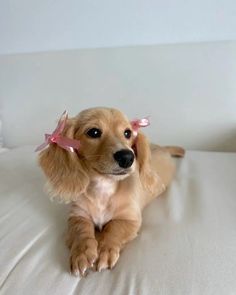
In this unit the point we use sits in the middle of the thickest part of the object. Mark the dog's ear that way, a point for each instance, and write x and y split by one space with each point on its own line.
143 154
66 174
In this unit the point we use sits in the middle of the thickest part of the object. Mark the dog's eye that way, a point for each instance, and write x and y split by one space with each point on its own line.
94 133
127 133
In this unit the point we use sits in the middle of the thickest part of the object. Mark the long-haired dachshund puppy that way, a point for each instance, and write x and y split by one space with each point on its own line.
109 180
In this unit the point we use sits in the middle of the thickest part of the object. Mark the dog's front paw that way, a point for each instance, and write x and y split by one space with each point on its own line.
108 257
83 256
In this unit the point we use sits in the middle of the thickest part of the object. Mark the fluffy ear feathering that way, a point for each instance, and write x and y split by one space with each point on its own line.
147 175
67 176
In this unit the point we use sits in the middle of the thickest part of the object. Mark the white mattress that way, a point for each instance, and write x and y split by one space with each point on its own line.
187 244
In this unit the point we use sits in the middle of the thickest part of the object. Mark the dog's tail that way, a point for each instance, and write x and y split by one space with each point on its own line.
175 151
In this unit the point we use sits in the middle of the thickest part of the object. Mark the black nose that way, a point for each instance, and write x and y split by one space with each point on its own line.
124 158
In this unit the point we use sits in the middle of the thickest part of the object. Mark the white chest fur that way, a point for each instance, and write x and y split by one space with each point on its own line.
101 191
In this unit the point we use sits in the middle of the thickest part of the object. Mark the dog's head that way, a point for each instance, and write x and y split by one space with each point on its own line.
106 141
108 148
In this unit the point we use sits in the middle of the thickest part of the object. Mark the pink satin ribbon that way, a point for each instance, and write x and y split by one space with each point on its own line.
138 123
64 142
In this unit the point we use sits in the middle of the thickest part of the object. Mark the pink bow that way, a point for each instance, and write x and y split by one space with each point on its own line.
137 123
64 142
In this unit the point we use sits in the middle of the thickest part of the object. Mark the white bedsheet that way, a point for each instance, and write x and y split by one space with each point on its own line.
187 244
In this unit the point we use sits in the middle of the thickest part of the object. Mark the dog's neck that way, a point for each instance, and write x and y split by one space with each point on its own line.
102 186
100 192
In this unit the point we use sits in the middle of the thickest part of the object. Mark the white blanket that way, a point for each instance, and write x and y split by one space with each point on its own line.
187 244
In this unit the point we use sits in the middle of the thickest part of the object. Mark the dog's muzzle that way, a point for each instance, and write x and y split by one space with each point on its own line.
124 158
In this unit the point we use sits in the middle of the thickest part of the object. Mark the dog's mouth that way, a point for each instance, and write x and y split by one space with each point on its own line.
114 172
119 173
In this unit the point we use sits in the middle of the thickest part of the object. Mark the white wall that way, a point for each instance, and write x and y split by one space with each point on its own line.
33 25
189 91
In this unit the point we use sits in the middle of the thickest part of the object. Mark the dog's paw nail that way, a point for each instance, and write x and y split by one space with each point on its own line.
83 272
76 273
102 267
92 262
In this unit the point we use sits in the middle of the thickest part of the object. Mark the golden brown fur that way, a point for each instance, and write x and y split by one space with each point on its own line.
106 205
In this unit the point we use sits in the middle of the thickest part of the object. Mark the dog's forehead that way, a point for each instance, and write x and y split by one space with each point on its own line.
102 116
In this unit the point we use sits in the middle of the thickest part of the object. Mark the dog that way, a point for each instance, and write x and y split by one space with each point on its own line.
110 179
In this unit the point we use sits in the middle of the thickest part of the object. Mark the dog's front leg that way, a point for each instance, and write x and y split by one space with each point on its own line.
112 239
82 244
